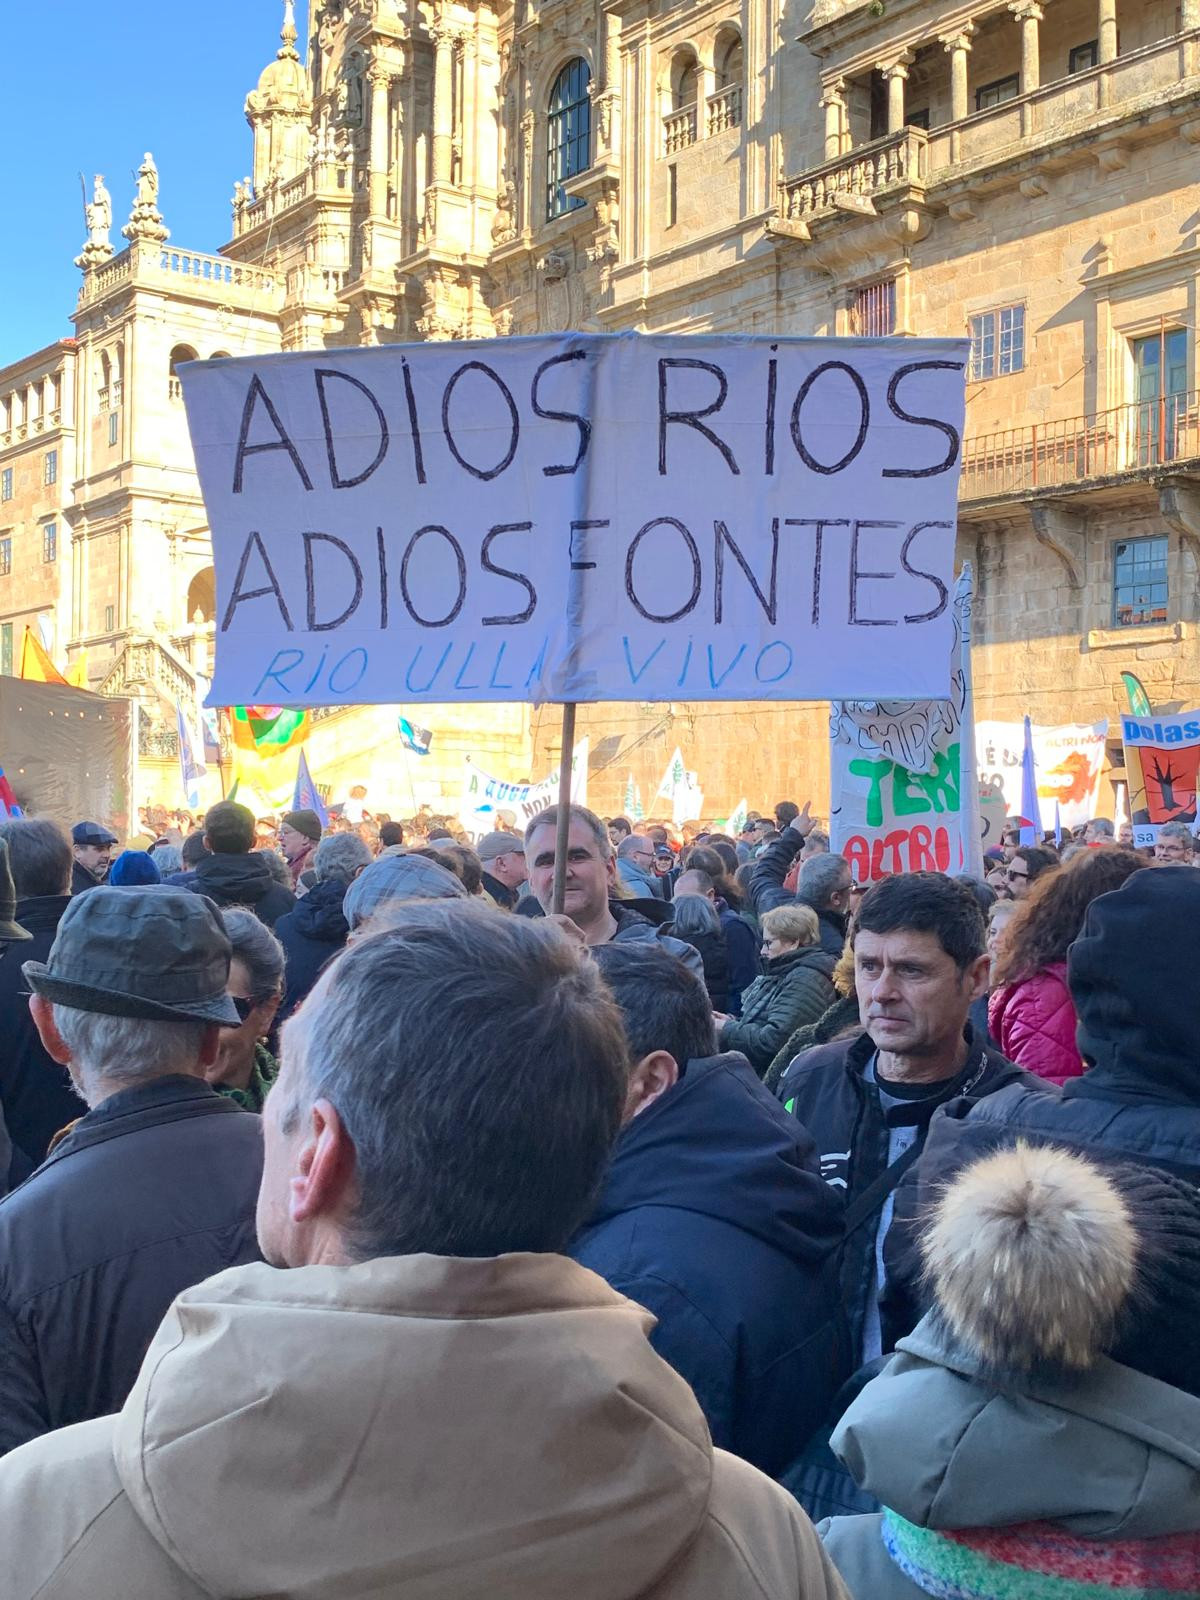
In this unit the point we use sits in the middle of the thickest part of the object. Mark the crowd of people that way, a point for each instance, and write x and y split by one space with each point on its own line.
374 1226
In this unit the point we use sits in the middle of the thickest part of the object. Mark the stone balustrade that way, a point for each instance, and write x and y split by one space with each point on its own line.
328 178
724 109
679 129
212 277
859 175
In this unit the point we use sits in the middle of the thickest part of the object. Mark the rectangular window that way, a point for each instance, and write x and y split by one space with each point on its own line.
1084 56
919 119
6 484
114 428
5 555
6 649
995 94
1139 581
50 471
873 315
108 619
672 195
50 541
997 343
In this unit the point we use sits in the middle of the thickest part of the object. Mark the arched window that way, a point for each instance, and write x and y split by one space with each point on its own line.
202 597
731 63
568 135
180 354
686 82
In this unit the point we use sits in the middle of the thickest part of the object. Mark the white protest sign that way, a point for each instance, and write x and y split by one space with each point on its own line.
1069 761
483 795
582 517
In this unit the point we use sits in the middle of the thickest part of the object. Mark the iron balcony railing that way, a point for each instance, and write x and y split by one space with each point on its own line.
1048 455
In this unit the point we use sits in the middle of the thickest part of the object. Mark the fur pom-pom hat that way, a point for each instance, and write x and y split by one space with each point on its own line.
1042 1261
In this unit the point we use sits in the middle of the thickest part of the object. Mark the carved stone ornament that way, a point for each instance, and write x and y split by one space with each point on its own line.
554 266
503 224
145 225
98 217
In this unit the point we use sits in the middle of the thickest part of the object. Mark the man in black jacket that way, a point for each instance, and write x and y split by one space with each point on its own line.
234 874
92 847
714 1217
155 1186
920 959
824 883
36 1093
317 929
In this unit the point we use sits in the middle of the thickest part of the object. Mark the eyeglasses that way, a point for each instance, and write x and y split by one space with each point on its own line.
1011 875
244 1008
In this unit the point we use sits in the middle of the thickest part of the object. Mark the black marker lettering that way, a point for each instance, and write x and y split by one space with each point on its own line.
413 421
772 389
916 572
381 550
946 428
489 565
691 419
856 577
864 423
582 423
721 538
484 473
253 393
254 542
335 476
697 570
582 527
310 586
820 524
461 563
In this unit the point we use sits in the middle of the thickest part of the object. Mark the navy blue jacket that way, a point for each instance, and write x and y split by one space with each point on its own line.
311 935
715 1218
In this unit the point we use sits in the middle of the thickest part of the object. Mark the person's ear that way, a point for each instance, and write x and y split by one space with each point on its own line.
210 1044
324 1176
649 1080
42 1012
610 868
978 976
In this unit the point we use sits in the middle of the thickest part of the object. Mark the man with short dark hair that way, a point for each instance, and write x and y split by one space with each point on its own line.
153 1188
391 834
786 812
590 879
35 1092
92 847
312 1426
504 872
233 873
920 961
714 1217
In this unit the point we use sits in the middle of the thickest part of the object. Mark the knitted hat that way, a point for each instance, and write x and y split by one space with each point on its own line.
396 877
1042 1261
133 869
306 822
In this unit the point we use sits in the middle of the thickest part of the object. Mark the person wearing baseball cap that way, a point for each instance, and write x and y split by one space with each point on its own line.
154 1187
92 846
503 857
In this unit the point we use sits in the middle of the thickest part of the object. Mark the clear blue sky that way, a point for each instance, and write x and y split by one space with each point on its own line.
133 76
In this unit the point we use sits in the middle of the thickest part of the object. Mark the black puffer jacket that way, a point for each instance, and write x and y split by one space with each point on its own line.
715 955
35 1091
150 1192
311 935
243 881
796 987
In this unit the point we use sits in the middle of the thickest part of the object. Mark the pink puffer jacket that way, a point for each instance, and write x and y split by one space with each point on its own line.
1033 1022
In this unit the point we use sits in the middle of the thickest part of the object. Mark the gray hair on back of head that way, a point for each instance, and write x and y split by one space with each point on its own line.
120 1052
257 948
339 856
821 877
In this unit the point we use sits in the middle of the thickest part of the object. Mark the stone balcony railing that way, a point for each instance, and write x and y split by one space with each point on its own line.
854 179
724 109
680 129
185 271
1140 436
329 179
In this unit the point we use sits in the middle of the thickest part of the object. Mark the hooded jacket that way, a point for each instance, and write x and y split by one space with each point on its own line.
1132 977
243 880
714 1217
797 987
1012 1455
421 1427
311 935
35 1092
1033 1022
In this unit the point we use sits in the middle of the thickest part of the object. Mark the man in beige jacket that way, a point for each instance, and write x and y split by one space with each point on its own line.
419 1397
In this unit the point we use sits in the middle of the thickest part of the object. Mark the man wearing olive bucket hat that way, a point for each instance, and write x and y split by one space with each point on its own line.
154 1187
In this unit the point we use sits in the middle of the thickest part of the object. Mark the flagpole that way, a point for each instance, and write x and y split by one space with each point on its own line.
564 807
412 789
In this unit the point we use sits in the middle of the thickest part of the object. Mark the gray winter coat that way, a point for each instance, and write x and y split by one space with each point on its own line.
1115 1456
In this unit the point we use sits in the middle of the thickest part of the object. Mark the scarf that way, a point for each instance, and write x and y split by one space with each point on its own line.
1042 1561
262 1075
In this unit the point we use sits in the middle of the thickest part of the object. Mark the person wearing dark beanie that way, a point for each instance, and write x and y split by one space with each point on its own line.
299 836
133 869
1037 1434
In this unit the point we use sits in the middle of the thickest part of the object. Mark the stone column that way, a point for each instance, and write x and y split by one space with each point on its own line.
896 75
380 79
443 102
1029 14
958 46
1190 14
834 101
1107 30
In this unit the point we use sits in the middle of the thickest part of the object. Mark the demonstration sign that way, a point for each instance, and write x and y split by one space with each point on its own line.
902 774
1162 758
581 517
1069 761
484 797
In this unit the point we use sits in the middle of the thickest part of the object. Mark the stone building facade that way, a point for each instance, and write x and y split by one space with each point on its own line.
1017 171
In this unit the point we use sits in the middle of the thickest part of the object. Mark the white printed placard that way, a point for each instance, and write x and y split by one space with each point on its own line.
582 517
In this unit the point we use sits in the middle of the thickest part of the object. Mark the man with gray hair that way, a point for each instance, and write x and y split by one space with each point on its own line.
825 883
1175 846
595 917
153 1187
317 929
312 1426
35 1091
